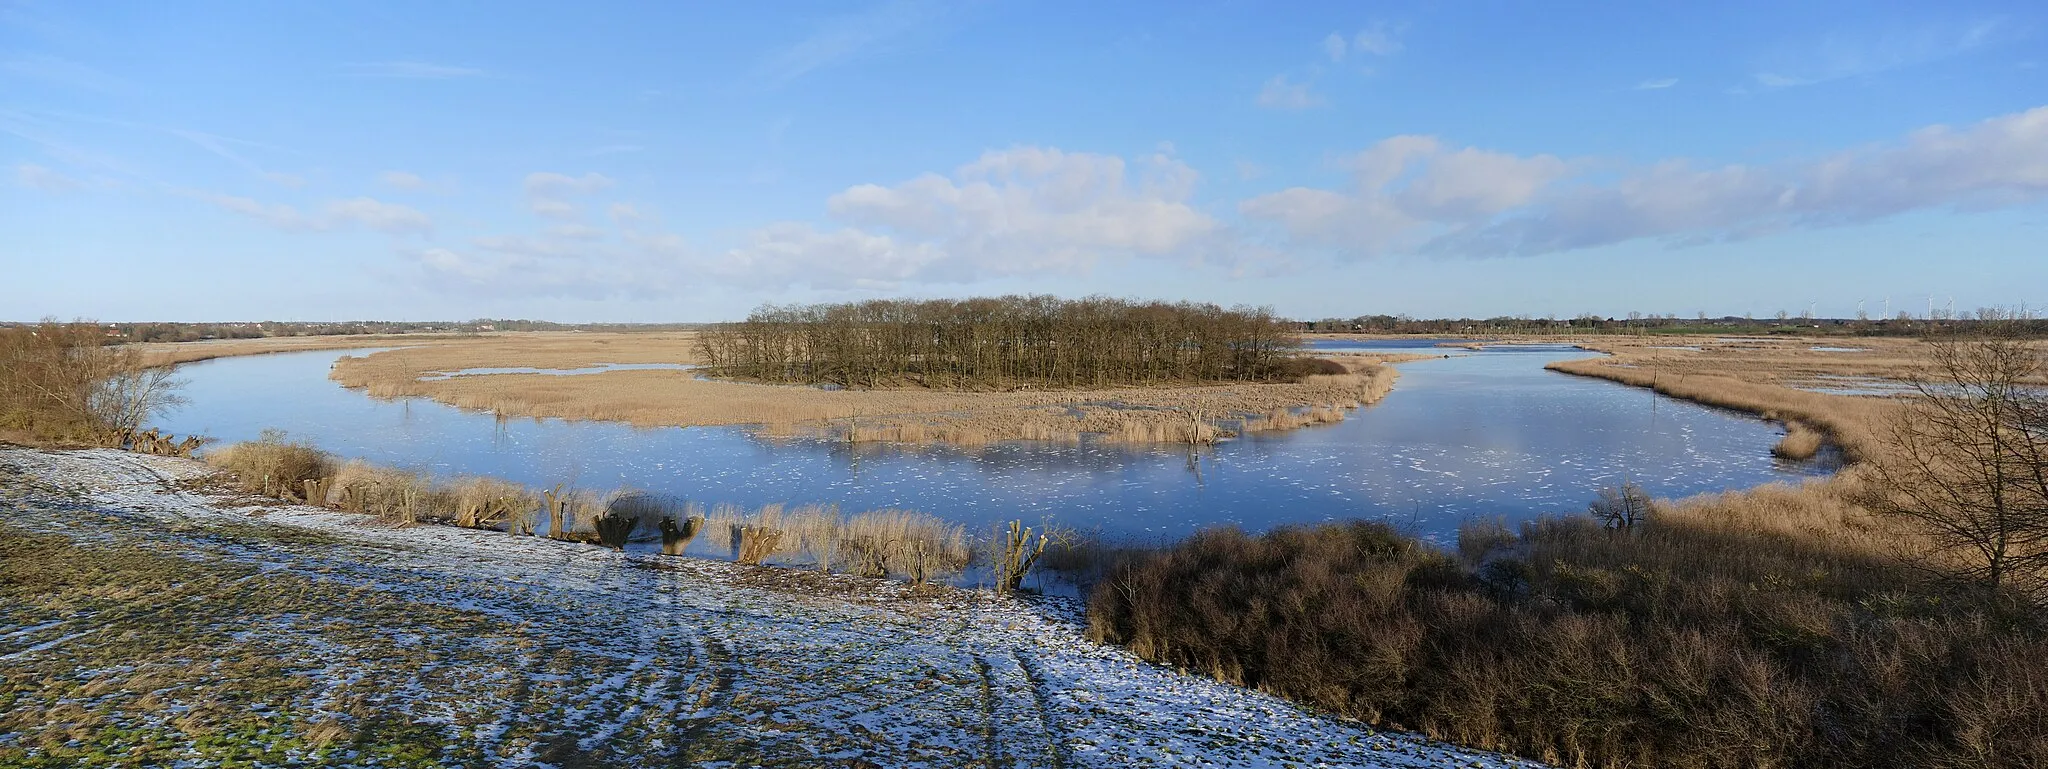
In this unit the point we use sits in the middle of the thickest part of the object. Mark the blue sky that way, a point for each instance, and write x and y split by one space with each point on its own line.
680 162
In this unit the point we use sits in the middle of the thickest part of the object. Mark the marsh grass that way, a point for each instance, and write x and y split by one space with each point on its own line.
1800 442
880 543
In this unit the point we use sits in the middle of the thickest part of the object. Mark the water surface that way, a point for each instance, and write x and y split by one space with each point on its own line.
1474 434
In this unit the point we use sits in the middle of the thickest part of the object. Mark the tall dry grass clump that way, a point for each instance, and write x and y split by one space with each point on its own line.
492 503
1800 442
881 543
904 543
394 496
273 465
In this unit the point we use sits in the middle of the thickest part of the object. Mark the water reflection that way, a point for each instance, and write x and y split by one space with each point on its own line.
1477 434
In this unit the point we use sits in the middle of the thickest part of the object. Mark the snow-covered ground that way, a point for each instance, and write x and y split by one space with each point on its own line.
523 651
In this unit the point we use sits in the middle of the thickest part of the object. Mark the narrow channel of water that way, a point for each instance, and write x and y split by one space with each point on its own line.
1477 434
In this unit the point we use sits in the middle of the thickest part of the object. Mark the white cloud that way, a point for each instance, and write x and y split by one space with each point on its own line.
37 177
1657 84
377 215
547 193
410 70
1414 194
403 180
554 209
367 213
1034 209
1278 93
1335 47
549 185
626 215
1017 211
1380 39
277 215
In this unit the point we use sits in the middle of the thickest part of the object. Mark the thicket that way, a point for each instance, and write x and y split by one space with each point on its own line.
1005 342
1664 645
62 382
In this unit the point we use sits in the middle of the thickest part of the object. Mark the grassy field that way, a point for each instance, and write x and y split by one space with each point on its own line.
148 619
678 398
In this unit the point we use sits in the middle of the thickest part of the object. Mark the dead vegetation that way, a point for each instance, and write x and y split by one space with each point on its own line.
883 543
1888 615
62 384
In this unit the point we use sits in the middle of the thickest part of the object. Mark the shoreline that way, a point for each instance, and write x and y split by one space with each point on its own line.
507 634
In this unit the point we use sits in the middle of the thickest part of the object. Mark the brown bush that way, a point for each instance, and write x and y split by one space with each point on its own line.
273 465
1675 644
63 383
1303 368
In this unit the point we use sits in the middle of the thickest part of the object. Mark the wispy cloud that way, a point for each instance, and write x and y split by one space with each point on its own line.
1656 85
1279 93
224 148
367 213
410 70
61 72
1379 39
404 180
37 177
1868 52
548 194
847 37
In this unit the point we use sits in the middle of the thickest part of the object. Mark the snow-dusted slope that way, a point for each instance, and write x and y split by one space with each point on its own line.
522 650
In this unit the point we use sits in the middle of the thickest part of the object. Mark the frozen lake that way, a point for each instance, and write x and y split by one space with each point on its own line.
1476 435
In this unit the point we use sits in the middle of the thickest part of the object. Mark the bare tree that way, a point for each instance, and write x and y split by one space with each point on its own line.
62 381
1621 508
1967 465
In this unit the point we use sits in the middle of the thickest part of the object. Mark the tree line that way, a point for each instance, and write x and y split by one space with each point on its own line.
1003 342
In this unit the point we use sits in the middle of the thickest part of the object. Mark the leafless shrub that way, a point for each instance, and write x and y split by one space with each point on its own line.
63 382
1967 463
1621 508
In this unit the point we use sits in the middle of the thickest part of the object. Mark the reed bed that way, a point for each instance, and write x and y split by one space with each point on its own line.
900 543
880 543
